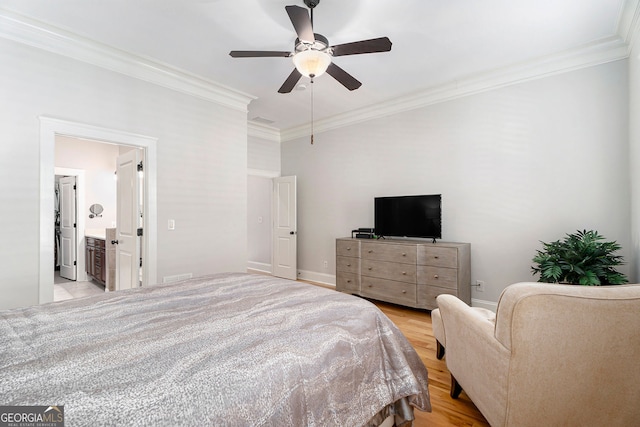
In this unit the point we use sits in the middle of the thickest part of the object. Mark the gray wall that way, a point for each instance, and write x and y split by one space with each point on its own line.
201 156
98 161
515 165
634 138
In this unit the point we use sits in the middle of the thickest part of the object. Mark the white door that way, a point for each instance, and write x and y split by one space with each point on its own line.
68 240
285 232
127 215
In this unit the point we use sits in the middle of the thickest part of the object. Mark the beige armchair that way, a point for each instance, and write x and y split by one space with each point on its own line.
555 355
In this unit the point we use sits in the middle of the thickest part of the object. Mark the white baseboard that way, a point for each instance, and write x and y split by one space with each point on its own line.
312 276
259 266
322 278
489 305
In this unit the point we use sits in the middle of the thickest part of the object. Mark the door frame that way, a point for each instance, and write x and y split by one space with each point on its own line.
49 128
81 274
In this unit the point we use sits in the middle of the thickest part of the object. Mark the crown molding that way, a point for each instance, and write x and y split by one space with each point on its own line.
37 34
601 52
632 34
628 22
262 131
25 30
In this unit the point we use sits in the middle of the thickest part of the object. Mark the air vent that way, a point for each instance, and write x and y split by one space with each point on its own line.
262 120
176 278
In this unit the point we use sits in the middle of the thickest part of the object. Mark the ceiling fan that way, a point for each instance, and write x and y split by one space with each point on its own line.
312 53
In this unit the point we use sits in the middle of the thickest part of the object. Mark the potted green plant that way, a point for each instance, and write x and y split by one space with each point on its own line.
582 258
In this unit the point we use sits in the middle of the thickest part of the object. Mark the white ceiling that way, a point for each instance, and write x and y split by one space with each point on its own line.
435 42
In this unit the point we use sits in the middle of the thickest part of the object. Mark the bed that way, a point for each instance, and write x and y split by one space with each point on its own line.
229 349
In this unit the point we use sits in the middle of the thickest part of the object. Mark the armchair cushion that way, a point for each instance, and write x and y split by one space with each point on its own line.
438 327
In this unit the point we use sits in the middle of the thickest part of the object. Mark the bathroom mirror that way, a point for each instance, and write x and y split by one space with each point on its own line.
96 210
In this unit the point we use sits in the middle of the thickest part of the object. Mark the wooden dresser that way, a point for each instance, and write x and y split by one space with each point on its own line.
411 273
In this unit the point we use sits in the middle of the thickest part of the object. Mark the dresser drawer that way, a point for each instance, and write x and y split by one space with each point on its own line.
438 256
438 276
348 247
347 264
389 290
389 270
347 282
426 297
389 252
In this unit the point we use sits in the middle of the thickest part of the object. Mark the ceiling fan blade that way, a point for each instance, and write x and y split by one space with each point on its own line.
258 53
291 81
301 22
346 79
381 44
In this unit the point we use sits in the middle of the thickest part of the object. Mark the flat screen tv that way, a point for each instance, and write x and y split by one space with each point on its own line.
408 216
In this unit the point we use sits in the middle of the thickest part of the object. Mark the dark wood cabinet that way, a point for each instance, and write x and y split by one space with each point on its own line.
95 258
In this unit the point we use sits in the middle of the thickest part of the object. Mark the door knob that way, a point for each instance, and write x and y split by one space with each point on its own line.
292 232
114 242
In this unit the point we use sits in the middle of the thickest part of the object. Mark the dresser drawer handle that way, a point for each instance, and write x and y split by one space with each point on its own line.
348 265
370 251
404 254
370 268
404 273
348 248
348 281
435 276
404 292
436 257
370 286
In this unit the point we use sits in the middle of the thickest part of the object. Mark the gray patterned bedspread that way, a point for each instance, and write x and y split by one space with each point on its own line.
231 349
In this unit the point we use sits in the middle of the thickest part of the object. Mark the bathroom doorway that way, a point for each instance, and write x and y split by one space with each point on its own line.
50 128
86 169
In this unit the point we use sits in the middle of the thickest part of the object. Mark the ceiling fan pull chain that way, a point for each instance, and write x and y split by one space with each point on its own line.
312 109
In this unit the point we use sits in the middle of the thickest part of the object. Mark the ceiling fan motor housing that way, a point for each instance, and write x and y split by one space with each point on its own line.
311 3
321 43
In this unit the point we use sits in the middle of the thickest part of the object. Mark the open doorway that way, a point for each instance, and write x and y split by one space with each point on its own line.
88 202
50 129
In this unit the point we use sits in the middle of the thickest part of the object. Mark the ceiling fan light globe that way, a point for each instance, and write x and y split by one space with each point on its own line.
311 62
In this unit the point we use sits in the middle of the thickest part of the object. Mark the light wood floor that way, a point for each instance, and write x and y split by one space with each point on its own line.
416 326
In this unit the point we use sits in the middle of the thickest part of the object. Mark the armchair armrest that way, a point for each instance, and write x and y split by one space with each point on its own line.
475 358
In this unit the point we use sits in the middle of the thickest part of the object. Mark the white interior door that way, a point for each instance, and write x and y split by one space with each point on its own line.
285 232
68 230
127 215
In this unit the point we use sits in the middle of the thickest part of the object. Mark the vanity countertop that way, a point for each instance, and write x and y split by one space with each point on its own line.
96 233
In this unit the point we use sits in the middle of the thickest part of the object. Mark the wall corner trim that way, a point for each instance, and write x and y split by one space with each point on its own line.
259 130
